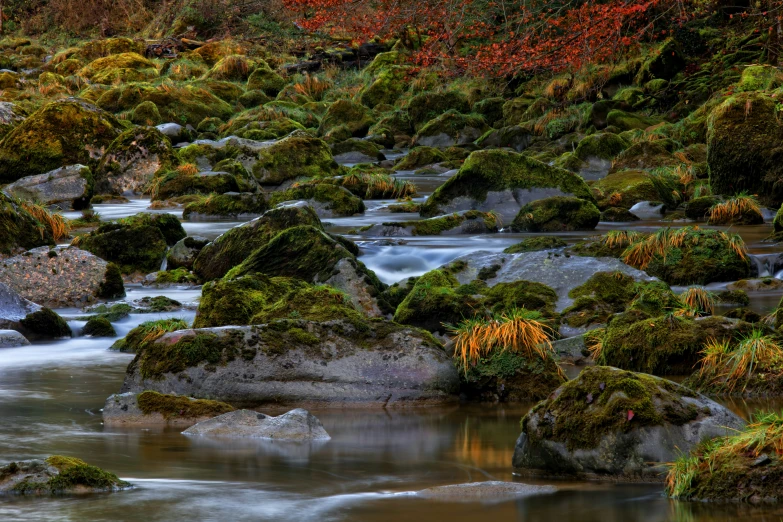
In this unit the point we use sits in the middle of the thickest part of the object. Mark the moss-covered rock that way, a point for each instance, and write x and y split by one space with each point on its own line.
177 183
429 105
294 157
356 117
451 128
420 157
146 113
502 181
123 67
19 229
99 327
258 299
246 126
699 208
229 249
385 88
232 204
146 333
328 200
57 475
61 133
468 222
624 189
132 160
613 424
510 377
741 147
45 323
646 155
534 244
665 345
557 214
629 121
266 80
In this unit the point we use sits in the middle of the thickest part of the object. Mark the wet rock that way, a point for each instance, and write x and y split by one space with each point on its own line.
14 307
326 199
489 492
68 187
236 205
295 425
21 230
502 181
12 339
290 361
61 277
132 160
150 408
175 132
55 476
648 210
45 324
468 222
557 214
617 425
450 129
560 272
182 254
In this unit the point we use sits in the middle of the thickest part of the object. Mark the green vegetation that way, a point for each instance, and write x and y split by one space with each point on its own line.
175 406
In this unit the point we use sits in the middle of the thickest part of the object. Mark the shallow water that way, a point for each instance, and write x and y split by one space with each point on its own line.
51 395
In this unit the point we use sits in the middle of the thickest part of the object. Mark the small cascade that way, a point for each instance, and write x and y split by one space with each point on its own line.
165 262
765 265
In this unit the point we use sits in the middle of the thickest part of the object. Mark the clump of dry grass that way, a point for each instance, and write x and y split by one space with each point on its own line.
518 330
728 366
700 299
312 87
641 252
619 238
188 169
733 209
54 222
380 185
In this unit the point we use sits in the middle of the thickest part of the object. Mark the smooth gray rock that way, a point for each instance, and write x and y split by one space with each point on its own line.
122 409
324 363
66 186
175 132
647 210
474 225
489 492
634 453
295 425
506 203
560 272
12 339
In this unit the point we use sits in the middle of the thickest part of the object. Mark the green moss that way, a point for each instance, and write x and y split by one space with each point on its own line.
20 230
123 67
235 245
454 124
598 403
46 323
629 121
427 106
602 145
176 276
534 244
131 248
624 189
433 302
295 157
336 199
246 125
119 169
264 79
61 133
169 225
557 214
146 113
367 148
386 88
175 183
519 294
227 205
113 313
99 327
498 170
176 406
258 299
420 157
72 474
438 225
760 78
185 351
356 117
146 333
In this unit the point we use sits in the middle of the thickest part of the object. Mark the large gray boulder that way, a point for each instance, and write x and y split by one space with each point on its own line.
68 187
550 267
12 339
295 425
619 425
292 361
61 277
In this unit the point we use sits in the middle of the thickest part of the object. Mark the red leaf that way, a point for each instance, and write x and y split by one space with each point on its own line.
630 415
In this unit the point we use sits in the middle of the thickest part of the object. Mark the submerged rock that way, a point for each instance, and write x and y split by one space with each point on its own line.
488 492
62 277
289 361
295 425
151 408
69 187
56 476
613 424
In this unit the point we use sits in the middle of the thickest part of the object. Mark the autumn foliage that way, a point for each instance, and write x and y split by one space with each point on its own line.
496 37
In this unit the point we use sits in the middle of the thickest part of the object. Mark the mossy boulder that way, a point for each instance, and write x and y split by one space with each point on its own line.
624 189
266 80
45 323
176 183
664 345
618 425
629 121
742 151
99 327
135 244
150 408
231 204
356 150
647 155
510 377
132 160
502 181
468 222
356 117
328 200
420 157
20 230
124 67
699 208
433 303
258 299
57 475
297 156
146 113
61 133
760 78
515 137
385 88
451 128
246 126
232 247
557 214
429 105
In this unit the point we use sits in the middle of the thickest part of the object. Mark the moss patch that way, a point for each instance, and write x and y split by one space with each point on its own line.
176 406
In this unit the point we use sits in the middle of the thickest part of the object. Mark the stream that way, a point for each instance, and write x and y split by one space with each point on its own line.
51 395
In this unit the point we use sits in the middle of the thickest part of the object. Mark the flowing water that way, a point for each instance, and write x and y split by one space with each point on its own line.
51 395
